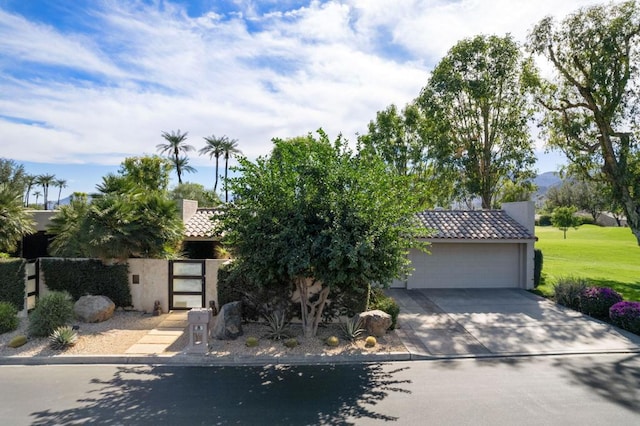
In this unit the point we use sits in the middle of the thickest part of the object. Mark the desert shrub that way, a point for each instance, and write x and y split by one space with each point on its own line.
537 266
567 290
346 302
385 303
257 301
596 301
52 311
8 317
626 315
12 283
63 338
90 276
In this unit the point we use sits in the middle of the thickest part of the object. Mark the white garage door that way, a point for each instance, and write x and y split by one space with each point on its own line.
478 265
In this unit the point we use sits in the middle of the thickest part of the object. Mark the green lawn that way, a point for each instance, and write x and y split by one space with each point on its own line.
607 257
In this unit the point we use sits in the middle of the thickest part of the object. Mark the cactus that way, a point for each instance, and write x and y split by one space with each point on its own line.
291 343
370 342
332 341
251 342
17 341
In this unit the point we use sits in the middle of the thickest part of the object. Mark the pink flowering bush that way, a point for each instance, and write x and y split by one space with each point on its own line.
596 301
626 315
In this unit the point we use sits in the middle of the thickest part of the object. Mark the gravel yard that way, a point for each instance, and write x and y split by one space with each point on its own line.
125 328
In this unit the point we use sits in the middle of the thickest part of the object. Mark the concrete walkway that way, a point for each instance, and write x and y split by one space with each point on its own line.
499 322
164 335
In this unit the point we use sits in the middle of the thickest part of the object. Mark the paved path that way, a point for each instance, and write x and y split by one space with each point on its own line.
488 322
164 335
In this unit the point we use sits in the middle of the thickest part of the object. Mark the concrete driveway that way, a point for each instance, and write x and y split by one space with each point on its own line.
494 322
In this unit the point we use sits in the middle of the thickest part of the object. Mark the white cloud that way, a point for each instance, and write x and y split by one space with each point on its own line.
331 64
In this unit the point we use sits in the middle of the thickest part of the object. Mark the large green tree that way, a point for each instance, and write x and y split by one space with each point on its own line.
46 180
197 192
591 103
15 221
175 145
398 138
313 212
477 107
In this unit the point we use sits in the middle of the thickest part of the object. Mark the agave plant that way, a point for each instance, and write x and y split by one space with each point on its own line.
278 326
62 338
352 328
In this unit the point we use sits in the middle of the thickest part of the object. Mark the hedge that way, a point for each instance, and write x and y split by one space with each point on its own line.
88 276
12 282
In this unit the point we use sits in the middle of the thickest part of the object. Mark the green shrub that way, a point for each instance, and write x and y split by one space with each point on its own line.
17 341
596 301
537 266
544 220
346 302
257 300
63 338
52 311
12 282
385 303
88 276
626 315
8 317
567 290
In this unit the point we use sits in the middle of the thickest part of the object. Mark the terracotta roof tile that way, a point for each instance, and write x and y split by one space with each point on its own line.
200 224
473 225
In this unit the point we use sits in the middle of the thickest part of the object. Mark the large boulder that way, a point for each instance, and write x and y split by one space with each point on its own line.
94 308
228 322
375 322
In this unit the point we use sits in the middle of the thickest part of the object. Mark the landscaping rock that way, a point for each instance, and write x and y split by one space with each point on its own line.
375 322
228 322
94 308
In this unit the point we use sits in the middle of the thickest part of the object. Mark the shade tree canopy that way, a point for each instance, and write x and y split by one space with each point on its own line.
591 104
313 211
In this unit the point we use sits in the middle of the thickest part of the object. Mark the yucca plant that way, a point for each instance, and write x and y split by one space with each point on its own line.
278 326
352 328
63 338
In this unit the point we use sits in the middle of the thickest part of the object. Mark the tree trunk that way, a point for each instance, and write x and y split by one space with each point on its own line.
311 312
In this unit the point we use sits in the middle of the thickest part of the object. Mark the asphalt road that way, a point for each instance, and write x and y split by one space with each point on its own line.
569 390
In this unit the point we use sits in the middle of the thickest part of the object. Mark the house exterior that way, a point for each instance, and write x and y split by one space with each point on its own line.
475 249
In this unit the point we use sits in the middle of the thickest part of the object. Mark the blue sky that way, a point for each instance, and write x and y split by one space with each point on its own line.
86 83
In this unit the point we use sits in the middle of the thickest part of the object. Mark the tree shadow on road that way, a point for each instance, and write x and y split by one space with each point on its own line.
325 394
618 382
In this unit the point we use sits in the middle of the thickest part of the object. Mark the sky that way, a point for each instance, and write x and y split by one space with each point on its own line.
87 83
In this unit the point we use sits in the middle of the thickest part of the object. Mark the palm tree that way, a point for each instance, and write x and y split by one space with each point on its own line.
183 162
29 181
229 147
15 221
60 183
175 144
45 181
214 148
37 194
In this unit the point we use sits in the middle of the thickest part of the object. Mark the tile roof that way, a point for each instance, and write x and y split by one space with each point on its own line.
200 224
473 225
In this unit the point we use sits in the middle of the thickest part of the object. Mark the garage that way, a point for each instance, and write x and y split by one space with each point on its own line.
475 249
